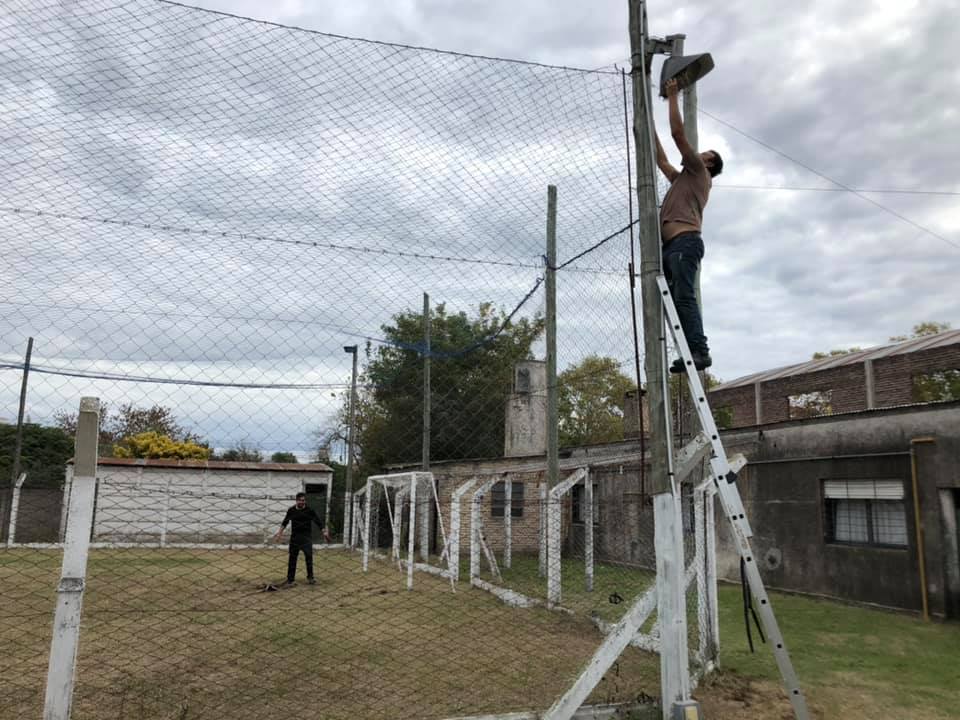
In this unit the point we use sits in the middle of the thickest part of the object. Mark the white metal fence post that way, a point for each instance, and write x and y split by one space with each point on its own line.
66 623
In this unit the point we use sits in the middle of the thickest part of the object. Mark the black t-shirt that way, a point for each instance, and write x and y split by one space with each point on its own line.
302 519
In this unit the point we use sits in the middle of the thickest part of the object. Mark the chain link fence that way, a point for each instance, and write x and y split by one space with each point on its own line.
206 219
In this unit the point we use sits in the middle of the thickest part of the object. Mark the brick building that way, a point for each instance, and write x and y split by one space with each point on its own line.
886 376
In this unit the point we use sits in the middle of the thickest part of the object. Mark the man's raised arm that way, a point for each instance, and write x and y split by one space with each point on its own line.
691 158
663 163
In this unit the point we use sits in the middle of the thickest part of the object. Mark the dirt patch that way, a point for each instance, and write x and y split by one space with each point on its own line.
728 696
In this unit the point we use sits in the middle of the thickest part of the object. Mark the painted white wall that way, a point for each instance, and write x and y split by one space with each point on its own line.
171 505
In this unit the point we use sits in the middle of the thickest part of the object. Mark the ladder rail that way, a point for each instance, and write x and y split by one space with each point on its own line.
725 480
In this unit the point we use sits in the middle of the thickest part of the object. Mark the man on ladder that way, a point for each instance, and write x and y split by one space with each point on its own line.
681 219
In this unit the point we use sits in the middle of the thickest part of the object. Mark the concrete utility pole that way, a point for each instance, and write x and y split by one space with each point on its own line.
423 510
553 466
668 529
649 226
425 450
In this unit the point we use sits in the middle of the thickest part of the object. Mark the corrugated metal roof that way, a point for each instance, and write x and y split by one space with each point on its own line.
213 464
927 342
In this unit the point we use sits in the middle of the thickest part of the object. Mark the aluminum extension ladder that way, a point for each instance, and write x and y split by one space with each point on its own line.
725 479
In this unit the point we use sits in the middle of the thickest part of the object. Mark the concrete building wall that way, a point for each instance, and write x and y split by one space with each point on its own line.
782 488
624 530
142 503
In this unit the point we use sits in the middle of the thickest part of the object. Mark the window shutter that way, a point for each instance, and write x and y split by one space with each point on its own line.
863 489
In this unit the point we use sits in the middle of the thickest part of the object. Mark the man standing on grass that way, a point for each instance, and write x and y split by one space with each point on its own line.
301 537
681 219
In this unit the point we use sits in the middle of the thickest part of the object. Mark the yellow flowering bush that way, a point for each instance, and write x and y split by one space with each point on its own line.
155 445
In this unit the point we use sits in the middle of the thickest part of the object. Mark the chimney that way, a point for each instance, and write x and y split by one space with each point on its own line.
631 415
526 421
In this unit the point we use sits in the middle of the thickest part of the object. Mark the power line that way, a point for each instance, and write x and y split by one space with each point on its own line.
841 187
595 246
120 377
182 230
253 236
847 188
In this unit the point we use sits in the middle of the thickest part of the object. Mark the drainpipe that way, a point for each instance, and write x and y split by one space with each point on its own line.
918 522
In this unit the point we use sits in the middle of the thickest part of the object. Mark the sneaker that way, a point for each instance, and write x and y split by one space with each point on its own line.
700 362
289 583
311 581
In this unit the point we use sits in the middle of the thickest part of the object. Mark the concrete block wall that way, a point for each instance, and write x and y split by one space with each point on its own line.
892 381
893 376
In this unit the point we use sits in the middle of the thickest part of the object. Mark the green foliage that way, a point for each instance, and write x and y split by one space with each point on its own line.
128 421
283 457
339 493
469 390
43 455
835 352
938 386
723 417
923 329
590 401
154 445
810 404
241 453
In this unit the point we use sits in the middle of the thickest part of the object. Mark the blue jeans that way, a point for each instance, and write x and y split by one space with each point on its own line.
681 260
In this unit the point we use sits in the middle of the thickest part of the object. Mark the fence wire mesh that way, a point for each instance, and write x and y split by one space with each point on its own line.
204 219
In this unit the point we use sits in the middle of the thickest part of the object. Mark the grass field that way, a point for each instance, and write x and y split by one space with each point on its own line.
185 635
855 663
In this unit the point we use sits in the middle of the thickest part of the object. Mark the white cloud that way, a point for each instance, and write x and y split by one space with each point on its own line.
220 125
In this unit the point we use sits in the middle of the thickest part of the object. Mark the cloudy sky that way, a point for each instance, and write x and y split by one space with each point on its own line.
193 196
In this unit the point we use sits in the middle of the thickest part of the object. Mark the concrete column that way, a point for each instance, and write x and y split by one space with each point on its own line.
758 403
869 384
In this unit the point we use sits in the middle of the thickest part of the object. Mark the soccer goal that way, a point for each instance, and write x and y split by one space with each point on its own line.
584 547
410 503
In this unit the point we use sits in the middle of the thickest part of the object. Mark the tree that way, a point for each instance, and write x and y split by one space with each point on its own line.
471 375
922 330
590 401
684 414
937 386
128 421
43 455
241 452
283 457
836 352
154 445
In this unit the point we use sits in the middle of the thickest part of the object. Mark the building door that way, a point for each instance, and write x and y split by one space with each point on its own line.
316 499
950 521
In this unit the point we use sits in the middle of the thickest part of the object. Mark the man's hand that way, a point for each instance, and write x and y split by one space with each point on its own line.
671 87
326 535
278 536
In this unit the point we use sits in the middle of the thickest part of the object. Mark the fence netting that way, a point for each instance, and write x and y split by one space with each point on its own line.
205 219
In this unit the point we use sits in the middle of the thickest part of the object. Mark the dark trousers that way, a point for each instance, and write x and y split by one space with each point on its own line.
298 545
681 260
